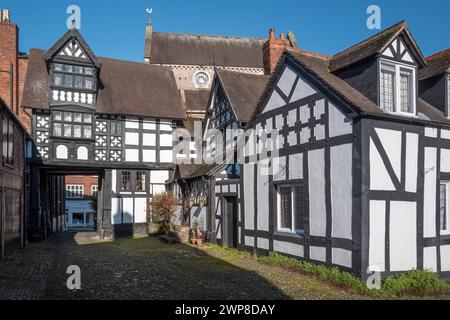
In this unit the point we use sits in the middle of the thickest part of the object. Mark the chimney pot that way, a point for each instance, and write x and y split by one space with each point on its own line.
5 15
272 34
281 36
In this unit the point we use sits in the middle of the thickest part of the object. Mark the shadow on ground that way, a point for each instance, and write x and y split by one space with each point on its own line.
147 269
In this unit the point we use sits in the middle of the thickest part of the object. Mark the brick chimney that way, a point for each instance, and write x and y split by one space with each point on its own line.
8 60
273 50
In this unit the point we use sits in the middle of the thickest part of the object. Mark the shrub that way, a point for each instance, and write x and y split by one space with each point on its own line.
163 207
416 283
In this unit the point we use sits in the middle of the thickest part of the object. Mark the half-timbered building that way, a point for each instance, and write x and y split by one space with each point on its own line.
359 180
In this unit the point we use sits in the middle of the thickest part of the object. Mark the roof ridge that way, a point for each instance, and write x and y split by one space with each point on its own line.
403 22
311 54
212 36
438 54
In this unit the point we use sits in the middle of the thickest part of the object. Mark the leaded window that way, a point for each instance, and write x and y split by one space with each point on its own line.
140 181
444 213
116 128
73 76
292 209
72 124
405 90
387 88
8 140
125 181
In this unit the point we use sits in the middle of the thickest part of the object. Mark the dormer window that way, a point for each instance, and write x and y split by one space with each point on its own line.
397 88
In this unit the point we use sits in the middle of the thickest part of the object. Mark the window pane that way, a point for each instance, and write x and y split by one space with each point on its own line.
57 129
10 159
89 84
126 181
88 71
299 209
67 117
67 130
77 131
58 67
87 132
78 117
78 69
57 79
405 90
387 90
5 140
79 82
57 115
140 181
87 118
443 206
285 208
68 68
68 80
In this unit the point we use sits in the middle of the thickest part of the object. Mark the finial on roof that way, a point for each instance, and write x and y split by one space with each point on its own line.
149 15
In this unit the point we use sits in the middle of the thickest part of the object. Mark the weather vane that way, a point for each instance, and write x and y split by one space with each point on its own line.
149 12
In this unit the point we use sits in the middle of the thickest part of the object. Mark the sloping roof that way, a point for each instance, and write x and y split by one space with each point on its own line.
372 46
187 49
244 91
125 88
438 63
196 99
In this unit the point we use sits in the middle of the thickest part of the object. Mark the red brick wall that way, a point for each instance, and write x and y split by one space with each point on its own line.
86 181
273 49
9 51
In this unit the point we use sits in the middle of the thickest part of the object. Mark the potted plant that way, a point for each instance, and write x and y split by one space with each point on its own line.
163 208
196 234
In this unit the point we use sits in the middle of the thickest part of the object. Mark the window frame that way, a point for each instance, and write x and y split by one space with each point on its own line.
445 231
63 73
294 230
70 193
8 147
448 94
397 87
72 123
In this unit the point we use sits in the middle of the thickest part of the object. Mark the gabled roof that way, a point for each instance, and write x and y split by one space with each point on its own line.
438 63
204 50
68 36
376 45
125 88
243 91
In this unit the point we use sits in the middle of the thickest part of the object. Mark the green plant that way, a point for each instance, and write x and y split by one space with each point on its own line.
416 283
163 207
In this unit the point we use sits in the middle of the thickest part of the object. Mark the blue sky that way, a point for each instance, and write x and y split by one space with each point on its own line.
117 28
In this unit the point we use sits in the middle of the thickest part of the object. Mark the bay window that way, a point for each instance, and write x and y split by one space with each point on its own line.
397 88
72 76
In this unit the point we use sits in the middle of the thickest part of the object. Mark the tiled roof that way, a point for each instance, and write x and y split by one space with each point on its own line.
438 63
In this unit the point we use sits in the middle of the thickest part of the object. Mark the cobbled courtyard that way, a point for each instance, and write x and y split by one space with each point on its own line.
148 269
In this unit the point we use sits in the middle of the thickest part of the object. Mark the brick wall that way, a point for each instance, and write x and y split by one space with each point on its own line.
86 181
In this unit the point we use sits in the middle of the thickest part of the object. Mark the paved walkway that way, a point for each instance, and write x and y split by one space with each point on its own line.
147 269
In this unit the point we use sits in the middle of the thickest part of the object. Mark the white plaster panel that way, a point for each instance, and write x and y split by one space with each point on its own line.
158 176
296 166
165 140
249 241
445 258
430 259
305 114
140 215
114 181
338 123
445 134
379 177
377 236
128 210
403 236
445 160
318 253
149 139
279 169
392 144
219 230
288 248
165 126
159 188
62 152
341 191
82 153
132 139
302 90
317 208
286 81
429 204
263 243
149 155
132 124
249 196
149 125
319 109
274 102
116 211
342 257
166 156
132 155
412 159
263 198
431 132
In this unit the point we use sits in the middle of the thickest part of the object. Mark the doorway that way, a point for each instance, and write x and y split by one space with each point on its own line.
231 222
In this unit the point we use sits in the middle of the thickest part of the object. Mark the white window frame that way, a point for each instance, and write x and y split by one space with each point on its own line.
293 229
447 211
94 188
397 87
72 192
